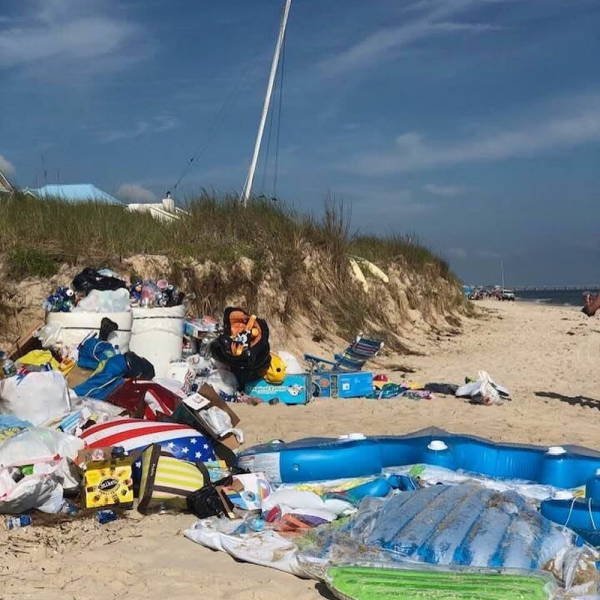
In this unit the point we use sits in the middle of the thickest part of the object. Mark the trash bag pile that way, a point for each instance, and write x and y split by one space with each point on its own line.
105 291
64 452
84 421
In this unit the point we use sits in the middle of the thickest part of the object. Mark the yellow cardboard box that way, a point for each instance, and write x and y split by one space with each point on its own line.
108 483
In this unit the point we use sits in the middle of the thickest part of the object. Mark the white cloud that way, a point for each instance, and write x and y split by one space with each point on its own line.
158 124
447 191
576 123
65 34
385 42
134 193
6 167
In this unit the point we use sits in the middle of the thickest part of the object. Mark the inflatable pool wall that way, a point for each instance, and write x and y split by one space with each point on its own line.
580 514
315 459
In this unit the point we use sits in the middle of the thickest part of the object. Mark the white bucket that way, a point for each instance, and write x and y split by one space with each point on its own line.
157 335
73 327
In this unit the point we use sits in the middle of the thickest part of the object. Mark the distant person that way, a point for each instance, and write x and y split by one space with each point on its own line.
591 304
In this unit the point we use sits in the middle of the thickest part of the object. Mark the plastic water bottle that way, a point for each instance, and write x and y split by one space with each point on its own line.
10 369
256 524
16 522
68 508
7 366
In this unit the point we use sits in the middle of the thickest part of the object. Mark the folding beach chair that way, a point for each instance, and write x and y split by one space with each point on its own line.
352 359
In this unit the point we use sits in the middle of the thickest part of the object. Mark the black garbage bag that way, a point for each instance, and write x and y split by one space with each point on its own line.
243 345
138 367
89 279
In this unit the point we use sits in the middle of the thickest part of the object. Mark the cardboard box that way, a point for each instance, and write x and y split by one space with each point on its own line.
337 384
295 389
108 483
77 375
189 415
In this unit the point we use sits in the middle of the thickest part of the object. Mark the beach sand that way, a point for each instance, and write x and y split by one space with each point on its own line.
548 357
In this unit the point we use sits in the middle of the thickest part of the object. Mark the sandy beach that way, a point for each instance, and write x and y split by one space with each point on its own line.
547 356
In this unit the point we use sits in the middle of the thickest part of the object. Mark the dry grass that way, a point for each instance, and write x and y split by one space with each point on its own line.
37 236
217 229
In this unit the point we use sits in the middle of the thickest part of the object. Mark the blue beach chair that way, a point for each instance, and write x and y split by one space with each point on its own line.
353 358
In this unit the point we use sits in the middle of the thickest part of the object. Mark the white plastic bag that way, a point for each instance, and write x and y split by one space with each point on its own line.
220 380
219 423
49 335
484 390
41 447
37 397
105 301
292 364
34 491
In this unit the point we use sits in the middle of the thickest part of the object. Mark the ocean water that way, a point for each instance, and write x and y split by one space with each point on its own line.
557 297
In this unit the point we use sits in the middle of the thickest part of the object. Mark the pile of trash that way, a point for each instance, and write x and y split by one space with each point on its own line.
121 402
105 291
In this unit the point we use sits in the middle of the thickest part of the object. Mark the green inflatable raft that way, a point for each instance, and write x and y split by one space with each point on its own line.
374 583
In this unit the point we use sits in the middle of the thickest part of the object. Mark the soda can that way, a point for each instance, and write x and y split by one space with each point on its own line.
106 516
16 522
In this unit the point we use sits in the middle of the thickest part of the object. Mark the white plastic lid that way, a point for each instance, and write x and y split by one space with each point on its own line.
437 445
562 495
556 451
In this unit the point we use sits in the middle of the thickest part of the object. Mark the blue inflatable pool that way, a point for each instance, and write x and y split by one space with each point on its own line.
316 459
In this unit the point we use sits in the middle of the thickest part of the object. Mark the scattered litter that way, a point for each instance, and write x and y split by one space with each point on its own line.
127 404
483 390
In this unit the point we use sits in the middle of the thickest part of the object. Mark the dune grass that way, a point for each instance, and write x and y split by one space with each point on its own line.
38 236
35 234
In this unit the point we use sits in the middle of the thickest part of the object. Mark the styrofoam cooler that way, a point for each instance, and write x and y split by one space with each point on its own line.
157 335
74 327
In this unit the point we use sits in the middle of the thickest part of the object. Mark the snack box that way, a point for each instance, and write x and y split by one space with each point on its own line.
108 483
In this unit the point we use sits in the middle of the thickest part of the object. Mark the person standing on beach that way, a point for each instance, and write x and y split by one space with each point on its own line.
591 304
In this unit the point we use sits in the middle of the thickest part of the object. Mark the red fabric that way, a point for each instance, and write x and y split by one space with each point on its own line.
131 396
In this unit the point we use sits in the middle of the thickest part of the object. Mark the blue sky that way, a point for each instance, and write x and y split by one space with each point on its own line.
473 124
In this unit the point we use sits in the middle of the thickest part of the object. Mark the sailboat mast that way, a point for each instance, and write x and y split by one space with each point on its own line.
263 119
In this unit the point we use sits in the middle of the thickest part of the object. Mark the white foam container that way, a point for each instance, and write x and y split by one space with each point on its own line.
74 327
157 335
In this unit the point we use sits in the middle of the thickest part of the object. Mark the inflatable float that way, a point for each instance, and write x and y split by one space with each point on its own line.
355 455
132 434
376 583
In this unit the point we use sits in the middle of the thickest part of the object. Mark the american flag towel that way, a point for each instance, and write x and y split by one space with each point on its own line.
179 440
